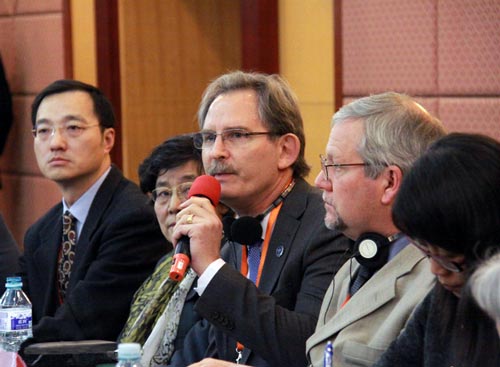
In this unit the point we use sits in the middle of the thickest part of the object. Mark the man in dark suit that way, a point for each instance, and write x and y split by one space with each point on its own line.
81 288
263 299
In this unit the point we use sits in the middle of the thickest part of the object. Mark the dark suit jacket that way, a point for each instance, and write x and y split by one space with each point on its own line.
274 321
9 254
118 247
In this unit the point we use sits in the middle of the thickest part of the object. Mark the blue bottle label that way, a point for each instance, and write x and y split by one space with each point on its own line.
13 319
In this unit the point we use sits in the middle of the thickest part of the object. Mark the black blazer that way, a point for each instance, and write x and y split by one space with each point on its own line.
274 321
119 245
9 254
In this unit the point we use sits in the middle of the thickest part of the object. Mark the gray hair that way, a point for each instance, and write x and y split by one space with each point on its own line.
397 130
277 106
484 286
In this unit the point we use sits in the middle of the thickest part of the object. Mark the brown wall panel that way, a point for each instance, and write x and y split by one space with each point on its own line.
108 65
447 50
469 47
33 52
169 51
24 199
260 43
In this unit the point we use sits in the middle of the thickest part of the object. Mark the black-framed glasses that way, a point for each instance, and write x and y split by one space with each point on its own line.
325 165
232 138
443 261
162 195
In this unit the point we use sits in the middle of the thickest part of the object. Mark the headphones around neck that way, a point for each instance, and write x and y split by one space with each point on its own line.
372 249
247 230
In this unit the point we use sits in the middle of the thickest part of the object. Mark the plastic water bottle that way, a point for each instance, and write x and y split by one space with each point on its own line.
129 355
15 315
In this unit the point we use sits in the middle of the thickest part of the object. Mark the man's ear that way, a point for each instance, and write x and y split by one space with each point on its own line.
108 138
392 178
289 145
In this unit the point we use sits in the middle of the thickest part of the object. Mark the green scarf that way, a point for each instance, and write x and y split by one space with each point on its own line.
148 303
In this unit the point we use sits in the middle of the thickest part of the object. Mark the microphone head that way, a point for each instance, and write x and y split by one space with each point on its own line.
246 230
206 186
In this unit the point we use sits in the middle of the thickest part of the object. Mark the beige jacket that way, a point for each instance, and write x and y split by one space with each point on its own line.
372 319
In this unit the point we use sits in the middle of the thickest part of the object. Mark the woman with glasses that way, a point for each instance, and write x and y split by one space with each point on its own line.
449 204
162 309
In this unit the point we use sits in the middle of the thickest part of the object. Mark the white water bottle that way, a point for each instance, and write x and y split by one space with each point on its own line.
129 355
15 315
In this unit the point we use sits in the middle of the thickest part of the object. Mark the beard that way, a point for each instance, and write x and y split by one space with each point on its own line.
336 223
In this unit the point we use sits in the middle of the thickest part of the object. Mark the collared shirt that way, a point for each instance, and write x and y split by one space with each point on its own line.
80 209
215 266
397 246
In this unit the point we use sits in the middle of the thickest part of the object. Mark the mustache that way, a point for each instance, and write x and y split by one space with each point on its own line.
216 168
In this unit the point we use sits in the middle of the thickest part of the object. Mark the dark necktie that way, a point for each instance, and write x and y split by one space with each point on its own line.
254 260
362 277
67 252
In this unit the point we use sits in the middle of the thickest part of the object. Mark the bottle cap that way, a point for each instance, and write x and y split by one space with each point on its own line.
129 351
13 282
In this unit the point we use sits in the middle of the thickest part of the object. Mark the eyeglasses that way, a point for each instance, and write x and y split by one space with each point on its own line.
44 132
232 138
441 260
337 166
163 195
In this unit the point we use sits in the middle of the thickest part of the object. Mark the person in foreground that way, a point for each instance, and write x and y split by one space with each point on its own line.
449 205
483 286
263 299
162 310
85 258
372 145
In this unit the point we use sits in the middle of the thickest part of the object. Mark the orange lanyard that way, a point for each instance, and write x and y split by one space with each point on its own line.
269 229
265 245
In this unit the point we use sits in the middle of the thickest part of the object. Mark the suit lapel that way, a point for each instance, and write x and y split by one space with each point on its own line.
98 208
285 228
379 290
46 255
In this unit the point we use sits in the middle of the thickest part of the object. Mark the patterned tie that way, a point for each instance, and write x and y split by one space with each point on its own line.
67 253
254 260
364 274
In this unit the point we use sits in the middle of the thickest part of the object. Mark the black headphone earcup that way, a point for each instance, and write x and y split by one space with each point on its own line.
246 230
371 250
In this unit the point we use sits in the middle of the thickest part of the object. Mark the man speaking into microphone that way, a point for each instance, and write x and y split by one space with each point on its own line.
262 299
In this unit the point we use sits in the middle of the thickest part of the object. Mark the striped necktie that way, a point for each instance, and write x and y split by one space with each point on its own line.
364 273
254 252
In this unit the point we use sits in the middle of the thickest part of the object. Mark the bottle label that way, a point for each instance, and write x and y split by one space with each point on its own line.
12 319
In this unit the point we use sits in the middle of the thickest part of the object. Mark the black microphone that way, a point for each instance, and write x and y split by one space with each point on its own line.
204 186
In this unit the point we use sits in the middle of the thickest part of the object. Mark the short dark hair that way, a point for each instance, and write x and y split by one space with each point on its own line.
102 106
451 199
277 106
172 153
451 196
